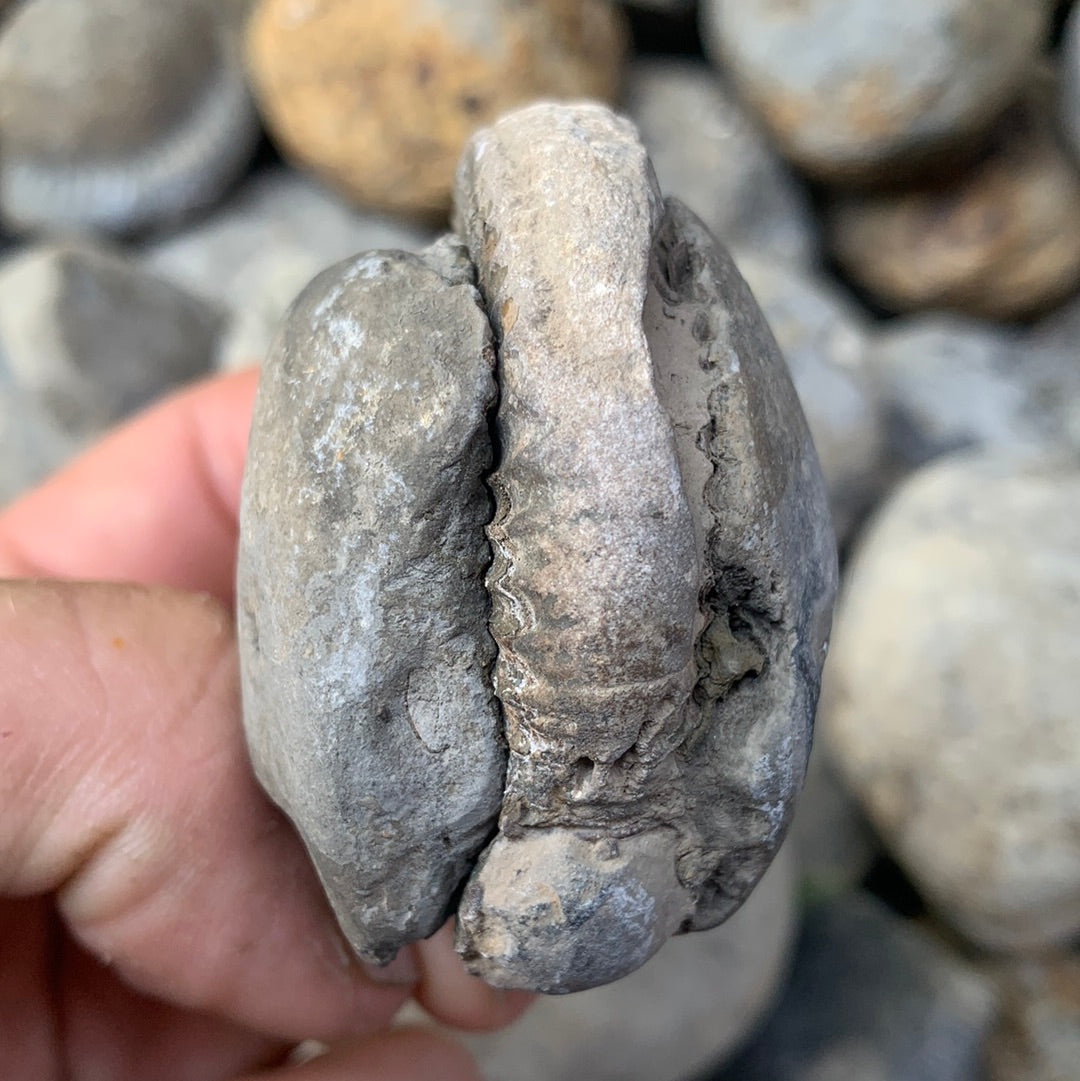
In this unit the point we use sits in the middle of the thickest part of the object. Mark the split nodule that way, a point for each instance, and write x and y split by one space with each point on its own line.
578 717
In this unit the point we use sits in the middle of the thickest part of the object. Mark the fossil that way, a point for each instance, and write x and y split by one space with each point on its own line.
576 711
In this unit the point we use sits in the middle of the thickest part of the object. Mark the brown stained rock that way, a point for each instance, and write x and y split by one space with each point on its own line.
379 97
362 613
661 592
861 89
1000 239
1038 1034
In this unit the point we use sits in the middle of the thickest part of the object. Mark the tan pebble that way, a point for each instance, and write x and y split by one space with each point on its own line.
379 96
999 240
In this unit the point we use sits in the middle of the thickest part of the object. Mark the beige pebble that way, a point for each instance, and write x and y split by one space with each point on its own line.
379 96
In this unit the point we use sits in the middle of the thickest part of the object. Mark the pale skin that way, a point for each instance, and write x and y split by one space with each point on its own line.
158 917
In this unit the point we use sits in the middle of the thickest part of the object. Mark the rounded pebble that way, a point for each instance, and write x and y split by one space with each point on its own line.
119 114
379 97
855 89
1000 239
951 690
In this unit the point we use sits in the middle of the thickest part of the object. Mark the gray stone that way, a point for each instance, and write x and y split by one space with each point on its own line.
997 238
366 658
1070 79
626 705
951 693
118 114
661 572
948 383
1038 1037
89 336
33 445
683 1011
259 249
830 838
823 339
871 998
708 152
858 89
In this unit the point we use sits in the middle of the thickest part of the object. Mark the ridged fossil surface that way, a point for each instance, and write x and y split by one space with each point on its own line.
119 115
577 718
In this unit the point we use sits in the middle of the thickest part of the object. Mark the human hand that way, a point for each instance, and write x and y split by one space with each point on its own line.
158 917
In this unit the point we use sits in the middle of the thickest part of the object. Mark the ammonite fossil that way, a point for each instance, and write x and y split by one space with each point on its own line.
536 570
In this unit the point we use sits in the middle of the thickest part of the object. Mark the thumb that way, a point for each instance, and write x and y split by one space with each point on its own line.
125 790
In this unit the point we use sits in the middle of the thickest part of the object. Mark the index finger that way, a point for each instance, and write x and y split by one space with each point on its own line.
155 502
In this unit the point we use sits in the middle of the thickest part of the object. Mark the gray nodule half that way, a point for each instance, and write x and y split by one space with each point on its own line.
363 619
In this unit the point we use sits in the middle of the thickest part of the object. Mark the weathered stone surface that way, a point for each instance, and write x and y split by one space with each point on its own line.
870 998
948 383
823 339
380 97
263 246
683 1011
708 151
859 89
963 744
1000 238
1038 1037
118 114
365 652
89 336
660 604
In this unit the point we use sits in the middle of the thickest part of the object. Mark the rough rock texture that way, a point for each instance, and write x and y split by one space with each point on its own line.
823 339
1000 238
365 652
948 383
379 97
1038 1037
951 693
871 998
89 336
118 114
708 151
859 89
683 1011
633 569
263 246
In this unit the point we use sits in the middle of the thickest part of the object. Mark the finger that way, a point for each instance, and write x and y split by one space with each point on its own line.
156 502
403 1055
126 790
452 996
111 1031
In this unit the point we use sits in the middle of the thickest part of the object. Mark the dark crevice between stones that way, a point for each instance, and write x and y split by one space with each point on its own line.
887 881
656 33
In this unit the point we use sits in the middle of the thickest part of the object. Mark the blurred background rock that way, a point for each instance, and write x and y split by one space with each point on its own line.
900 185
